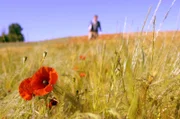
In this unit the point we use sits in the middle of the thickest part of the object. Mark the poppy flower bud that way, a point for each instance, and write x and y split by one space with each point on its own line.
52 102
44 54
24 59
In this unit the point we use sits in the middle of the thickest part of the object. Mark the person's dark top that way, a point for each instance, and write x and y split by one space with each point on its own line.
95 27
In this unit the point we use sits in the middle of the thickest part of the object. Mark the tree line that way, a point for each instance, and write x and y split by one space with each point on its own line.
14 34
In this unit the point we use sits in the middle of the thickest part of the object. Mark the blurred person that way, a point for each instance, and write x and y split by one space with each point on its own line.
94 28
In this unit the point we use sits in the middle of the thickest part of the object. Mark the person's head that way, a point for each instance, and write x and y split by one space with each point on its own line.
95 17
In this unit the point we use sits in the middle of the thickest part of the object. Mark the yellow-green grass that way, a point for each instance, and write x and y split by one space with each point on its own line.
126 77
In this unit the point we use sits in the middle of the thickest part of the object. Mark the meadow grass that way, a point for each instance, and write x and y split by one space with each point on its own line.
125 77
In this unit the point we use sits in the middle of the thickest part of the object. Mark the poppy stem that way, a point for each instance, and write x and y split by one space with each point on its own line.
41 62
43 58
33 110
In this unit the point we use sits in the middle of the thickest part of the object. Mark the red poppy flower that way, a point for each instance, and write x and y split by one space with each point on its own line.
82 74
43 81
25 89
82 57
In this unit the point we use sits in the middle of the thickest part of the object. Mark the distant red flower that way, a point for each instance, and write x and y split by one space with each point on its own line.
4 118
82 74
9 91
82 57
75 68
43 81
52 102
25 89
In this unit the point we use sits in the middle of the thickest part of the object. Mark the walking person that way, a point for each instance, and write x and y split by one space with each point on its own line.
94 28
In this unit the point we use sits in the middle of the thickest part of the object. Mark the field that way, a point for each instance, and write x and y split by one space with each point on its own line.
120 76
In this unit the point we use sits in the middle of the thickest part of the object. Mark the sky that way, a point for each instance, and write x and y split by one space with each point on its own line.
48 19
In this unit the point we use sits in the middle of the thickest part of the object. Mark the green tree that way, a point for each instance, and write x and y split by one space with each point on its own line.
1 39
4 38
15 38
15 34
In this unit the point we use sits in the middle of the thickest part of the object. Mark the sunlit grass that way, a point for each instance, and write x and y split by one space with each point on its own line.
123 77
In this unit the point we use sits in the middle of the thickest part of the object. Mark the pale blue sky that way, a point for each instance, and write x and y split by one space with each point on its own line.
47 19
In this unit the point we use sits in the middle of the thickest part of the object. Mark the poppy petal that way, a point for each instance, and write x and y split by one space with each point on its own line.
53 77
43 81
25 89
43 91
40 92
49 88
